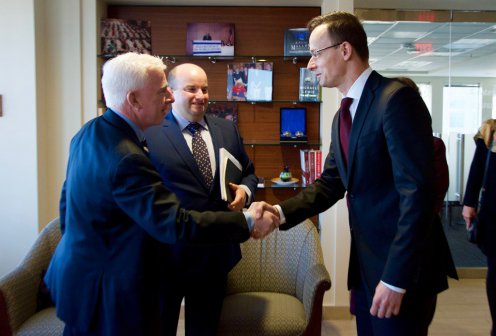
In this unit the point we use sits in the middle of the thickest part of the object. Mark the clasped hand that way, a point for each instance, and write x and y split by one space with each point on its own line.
266 219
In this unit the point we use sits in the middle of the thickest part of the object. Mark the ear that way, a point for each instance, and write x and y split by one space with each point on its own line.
346 50
132 99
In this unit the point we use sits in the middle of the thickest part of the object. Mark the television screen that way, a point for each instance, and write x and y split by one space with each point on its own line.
293 125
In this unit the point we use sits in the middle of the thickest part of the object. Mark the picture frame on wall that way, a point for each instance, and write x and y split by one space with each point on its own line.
210 39
249 81
119 36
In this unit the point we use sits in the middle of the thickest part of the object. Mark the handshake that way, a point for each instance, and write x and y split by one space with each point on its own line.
266 218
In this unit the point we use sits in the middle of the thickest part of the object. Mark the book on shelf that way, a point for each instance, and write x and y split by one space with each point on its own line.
120 36
296 42
224 110
210 39
311 165
309 88
231 171
249 81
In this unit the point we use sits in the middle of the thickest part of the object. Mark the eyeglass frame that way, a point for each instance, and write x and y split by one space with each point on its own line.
316 53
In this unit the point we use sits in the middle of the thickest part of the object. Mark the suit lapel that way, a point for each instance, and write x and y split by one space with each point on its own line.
174 134
336 149
362 112
217 140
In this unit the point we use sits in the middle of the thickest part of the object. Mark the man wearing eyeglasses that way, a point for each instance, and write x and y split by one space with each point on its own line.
381 156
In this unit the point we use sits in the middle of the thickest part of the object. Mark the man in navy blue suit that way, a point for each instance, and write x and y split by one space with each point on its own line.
114 210
197 272
399 258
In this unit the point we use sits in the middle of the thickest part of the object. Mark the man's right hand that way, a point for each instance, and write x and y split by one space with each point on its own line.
468 214
258 208
264 224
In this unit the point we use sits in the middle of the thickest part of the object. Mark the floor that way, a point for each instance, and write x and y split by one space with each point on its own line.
461 311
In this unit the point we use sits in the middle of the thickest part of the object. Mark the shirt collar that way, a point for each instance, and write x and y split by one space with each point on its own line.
356 89
183 122
139 133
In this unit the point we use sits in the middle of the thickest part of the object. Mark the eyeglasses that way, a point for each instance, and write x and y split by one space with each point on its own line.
316 53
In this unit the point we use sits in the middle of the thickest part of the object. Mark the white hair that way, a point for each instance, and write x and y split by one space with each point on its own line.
127 72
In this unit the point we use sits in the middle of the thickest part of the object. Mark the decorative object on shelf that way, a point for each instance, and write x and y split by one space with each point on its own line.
296 42
309 88
278 181
261 182
285 175
121 36
293 126
224 110
249 81
210 39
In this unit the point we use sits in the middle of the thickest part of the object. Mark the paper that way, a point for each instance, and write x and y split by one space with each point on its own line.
230 171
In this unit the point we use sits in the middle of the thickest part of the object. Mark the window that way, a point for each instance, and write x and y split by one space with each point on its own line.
462 107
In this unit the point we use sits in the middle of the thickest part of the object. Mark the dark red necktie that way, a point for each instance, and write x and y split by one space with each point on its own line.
345 126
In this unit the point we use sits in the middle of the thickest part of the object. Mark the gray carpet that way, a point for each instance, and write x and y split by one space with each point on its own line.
464 253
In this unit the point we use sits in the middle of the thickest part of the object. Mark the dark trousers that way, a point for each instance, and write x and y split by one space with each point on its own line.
491 290
203 297
416 313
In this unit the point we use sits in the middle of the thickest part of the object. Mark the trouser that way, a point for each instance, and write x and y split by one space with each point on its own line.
416 314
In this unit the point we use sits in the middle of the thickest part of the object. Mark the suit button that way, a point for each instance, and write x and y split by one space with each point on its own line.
351 196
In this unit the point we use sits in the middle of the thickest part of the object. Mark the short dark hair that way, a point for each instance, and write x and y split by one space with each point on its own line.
344 26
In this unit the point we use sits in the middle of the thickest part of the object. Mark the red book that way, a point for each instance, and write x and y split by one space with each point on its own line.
318 163
311 159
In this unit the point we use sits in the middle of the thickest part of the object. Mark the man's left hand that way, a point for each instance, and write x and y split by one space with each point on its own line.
239 198
386 302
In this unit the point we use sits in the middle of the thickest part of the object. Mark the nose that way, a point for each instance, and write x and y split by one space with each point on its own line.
199 94
169 97
311 63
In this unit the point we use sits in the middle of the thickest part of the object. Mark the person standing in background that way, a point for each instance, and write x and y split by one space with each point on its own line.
197 272
485 150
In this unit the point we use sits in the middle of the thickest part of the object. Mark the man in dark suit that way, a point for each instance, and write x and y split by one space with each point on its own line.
171 151
105 274
399 256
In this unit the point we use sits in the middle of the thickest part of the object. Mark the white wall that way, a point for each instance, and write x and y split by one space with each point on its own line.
18 147
48 66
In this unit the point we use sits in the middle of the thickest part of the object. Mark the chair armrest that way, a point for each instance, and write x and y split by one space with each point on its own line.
317 281
20 291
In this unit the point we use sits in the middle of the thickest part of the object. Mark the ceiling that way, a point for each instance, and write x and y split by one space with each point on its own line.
424 48
414 48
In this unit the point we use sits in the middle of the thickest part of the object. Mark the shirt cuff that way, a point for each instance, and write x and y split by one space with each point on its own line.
249 220
282 218
393 288
248 194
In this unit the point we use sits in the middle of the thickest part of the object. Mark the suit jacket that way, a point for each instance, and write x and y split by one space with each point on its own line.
487 210
390 190
113 210
174 161
441 174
